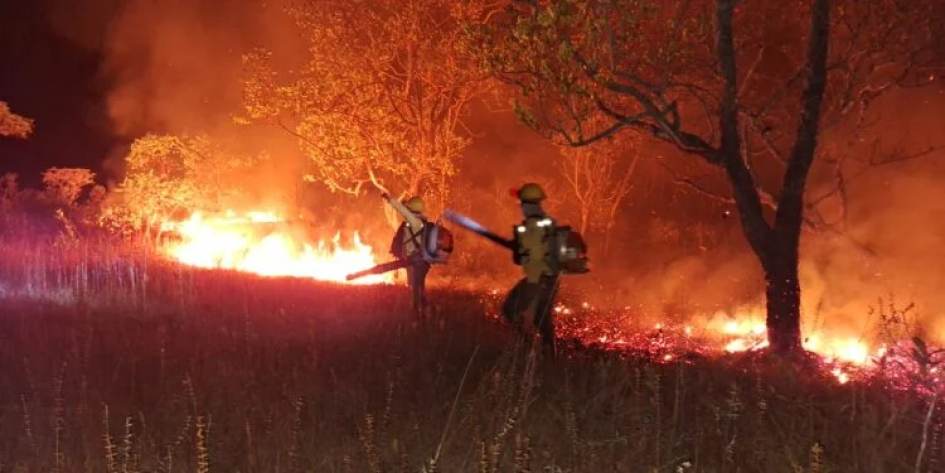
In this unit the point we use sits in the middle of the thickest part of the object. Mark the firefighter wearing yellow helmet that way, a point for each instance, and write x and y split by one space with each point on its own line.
407 245
535 293
531 192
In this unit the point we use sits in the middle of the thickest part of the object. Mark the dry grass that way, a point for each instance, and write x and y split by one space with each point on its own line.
113 361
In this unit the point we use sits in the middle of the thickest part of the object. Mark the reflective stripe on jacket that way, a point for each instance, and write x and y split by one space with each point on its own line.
532 236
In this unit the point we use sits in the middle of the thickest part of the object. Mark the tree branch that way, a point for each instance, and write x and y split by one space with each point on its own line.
668 130
790 208
685 141
744 188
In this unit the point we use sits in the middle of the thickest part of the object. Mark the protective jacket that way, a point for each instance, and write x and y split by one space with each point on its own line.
410 233
532 249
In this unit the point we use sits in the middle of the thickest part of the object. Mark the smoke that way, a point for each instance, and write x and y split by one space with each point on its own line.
174 66
896 238
84 22
895 230
666 269
888 252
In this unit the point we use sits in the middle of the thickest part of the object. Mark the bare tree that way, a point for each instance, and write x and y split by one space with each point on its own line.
751 105
599 181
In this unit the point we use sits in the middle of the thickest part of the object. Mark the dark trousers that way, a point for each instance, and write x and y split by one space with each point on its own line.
417 280
540 296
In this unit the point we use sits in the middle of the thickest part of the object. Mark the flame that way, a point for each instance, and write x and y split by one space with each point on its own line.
844 357
751 334
224 243
219 243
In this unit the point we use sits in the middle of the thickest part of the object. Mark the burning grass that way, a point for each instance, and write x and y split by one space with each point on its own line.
123 362
233 241
845 358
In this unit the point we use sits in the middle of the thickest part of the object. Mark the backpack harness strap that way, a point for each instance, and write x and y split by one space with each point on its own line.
418 234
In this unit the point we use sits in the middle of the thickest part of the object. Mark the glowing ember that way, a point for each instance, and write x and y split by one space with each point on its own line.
752 335
844 358
229 243
840 375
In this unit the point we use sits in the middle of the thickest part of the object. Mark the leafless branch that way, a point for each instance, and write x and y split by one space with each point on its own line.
652 117
686 141
751 71
763 133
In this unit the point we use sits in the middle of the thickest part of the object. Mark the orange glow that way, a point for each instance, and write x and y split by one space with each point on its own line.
225 243
840 375
845 357
846 350
752 335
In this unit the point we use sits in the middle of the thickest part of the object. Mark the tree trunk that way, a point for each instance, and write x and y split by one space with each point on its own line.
783 296
777 245
781 253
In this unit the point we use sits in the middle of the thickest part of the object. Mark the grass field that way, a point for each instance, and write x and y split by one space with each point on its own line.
121 363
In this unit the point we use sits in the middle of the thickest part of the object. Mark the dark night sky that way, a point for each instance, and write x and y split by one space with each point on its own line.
55 81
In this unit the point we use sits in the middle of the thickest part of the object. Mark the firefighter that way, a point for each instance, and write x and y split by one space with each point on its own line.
535 293
407 245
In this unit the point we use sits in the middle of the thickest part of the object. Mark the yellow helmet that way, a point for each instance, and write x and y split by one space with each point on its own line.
415 204
531 192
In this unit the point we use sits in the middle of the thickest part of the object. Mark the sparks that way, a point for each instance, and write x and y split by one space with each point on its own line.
843 358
